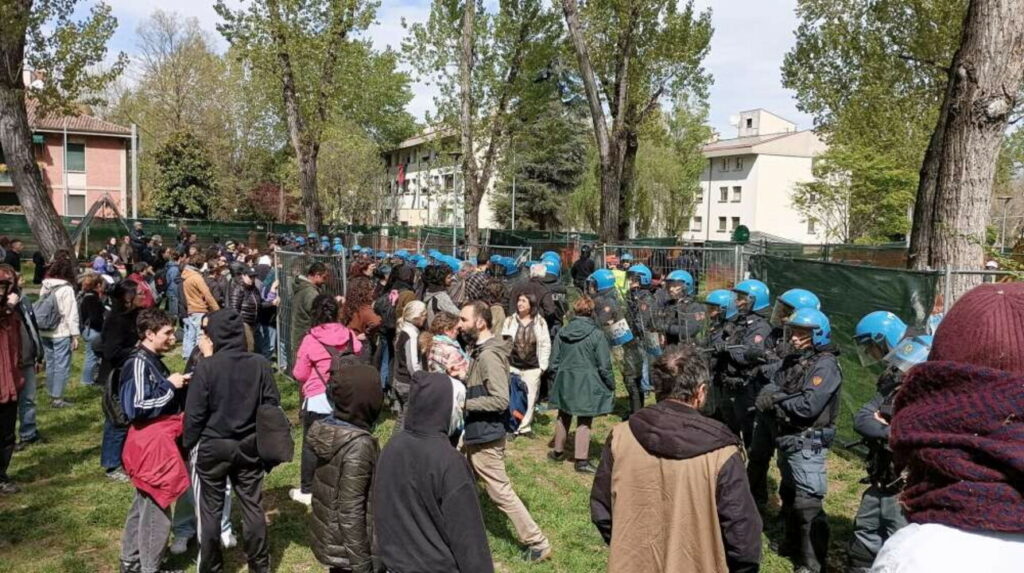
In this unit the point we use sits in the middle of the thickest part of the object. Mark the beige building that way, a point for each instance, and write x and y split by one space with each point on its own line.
424 183
749 180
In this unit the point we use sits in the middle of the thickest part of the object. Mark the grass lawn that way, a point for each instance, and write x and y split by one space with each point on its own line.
68 516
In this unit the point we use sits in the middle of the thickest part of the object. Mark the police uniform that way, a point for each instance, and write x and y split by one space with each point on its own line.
739 369
679 320
639 317
762 441
807 391
879 515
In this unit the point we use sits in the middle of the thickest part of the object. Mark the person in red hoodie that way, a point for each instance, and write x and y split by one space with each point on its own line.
142 274
312 370
152 399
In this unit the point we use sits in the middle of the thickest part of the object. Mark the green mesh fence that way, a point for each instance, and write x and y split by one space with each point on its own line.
847 293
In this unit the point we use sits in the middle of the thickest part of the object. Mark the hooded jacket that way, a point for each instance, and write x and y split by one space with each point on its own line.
487 391
227 388
427 513
302 305
582 369
346 453
675 480
198 298
64 294
313 361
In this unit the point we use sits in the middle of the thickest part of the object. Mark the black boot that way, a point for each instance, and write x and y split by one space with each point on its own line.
585 467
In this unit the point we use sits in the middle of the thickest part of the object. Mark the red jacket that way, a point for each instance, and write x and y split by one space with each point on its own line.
152 459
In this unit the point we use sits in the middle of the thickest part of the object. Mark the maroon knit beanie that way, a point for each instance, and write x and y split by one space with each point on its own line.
984 328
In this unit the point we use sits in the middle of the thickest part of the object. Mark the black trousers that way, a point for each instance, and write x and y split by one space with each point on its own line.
8 423
209 481
307 464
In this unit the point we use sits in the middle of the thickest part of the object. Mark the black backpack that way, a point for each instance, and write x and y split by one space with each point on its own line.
343 357
111 402
387 312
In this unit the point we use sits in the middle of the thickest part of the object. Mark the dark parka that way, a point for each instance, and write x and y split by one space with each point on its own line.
582 369
343 530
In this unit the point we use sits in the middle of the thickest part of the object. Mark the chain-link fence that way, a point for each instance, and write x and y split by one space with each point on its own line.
288 267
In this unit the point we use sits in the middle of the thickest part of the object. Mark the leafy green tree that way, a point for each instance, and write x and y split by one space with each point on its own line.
185 185
47 35
319 66
631 54
482 62
351 176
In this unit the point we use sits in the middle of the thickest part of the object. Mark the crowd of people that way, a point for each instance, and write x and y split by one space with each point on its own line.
465 356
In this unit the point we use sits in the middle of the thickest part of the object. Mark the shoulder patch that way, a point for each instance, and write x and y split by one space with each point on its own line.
817 380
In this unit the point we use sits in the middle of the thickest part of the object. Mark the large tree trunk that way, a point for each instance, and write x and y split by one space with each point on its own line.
470 183
627 179
610 159
16 138
919 256
985 77
307 159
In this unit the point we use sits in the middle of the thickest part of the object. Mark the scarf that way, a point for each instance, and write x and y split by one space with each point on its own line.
958 429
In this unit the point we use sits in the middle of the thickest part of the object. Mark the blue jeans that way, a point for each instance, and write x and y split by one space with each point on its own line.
192 326
266 340
58 365
385 363
27 429
113 443
92 361
184 523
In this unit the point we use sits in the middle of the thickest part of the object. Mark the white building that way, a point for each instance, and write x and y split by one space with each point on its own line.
424 180
749 180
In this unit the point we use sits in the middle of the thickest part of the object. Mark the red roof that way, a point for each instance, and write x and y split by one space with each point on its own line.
82 123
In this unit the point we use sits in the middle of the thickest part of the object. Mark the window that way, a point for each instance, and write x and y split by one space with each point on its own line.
735 223
699 197
811 226
5 176
739 164
76 206
750 122
76 157
721 224
737 194
723 194
724 165
697 224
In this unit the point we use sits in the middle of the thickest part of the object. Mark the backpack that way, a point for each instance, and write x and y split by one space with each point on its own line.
47 310
518 402
342 358
111 402
160 280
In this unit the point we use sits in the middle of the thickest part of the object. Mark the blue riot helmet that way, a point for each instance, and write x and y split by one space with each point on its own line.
642 273
680 277
551 255
910 352
511 267
813 320
600 281
877 334
336 240
402 254
312 236
300 241
380 255
494 259
792 300
422 263
338 249
751 295
552 267
721 302
625 260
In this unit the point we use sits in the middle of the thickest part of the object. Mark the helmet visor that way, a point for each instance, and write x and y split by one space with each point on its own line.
781 313
798 337
744 301
871 351
908 353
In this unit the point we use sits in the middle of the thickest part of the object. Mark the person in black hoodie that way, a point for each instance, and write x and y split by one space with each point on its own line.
346 453
220 433
119 337
427 517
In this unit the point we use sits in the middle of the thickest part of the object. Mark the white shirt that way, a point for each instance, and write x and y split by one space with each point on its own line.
934 548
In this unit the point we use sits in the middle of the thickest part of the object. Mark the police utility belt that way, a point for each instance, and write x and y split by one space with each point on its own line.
813 439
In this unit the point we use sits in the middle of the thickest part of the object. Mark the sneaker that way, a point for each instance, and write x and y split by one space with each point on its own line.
537 554
117 474
61 403
8 487
585 467
556 456
179 546
25 443
130 567
303 498
228 539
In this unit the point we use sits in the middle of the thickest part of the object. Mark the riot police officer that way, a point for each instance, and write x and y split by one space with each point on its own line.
609 311
776 347
555 302
721 312
743 355
879 515
804 396
640 312
582 268
678 317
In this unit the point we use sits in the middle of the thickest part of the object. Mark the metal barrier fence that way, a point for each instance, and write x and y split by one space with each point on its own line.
952 278
712 267
288 267
484 252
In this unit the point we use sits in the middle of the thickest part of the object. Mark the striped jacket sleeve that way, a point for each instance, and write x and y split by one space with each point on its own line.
145 392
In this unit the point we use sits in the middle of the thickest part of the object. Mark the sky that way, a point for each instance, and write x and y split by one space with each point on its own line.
751 37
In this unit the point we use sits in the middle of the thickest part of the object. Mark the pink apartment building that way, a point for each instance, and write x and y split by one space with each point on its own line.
82 158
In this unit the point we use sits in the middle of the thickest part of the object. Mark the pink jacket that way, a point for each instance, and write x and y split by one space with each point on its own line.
313 362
